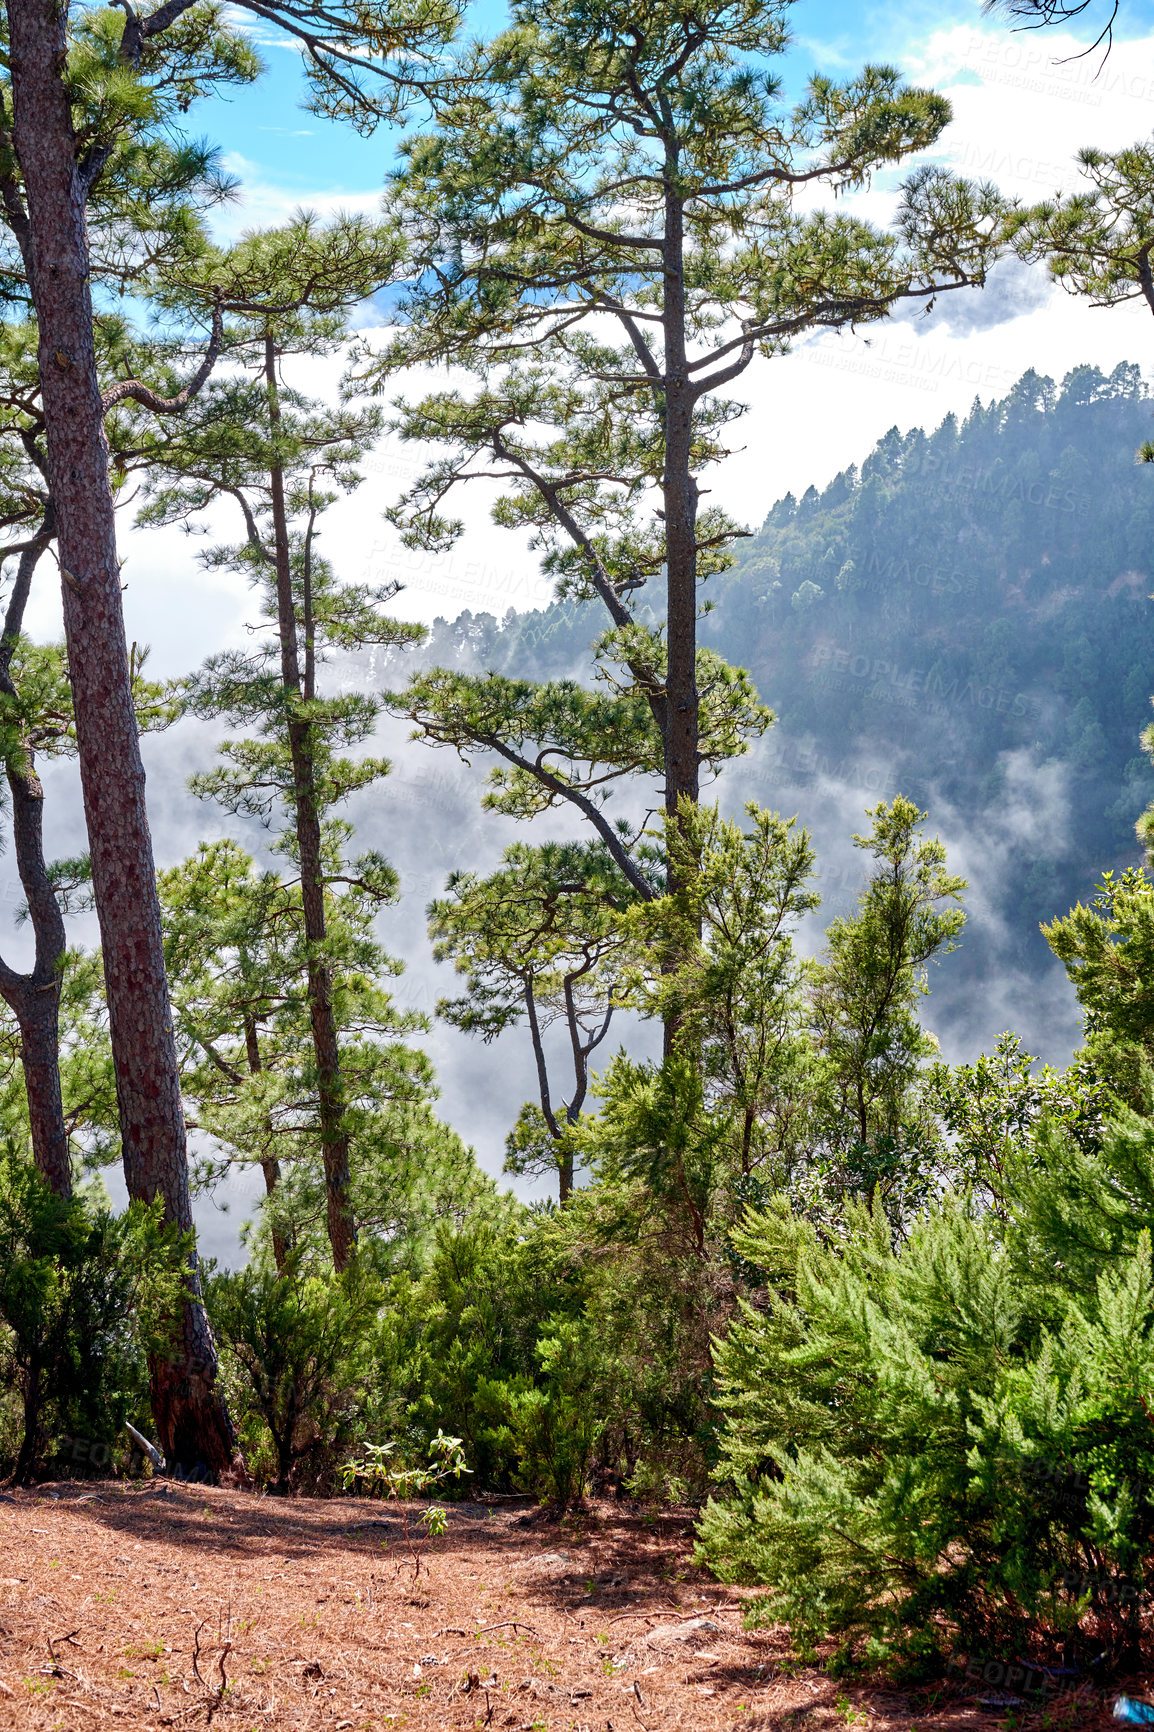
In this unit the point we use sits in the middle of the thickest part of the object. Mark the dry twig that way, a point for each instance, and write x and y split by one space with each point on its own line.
71 1637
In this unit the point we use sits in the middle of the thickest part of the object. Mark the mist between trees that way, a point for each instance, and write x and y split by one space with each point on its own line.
860 1303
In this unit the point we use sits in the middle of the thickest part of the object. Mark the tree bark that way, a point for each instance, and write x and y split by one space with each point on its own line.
682 771
191 1418
270 1166
326 1046
679 489
34 997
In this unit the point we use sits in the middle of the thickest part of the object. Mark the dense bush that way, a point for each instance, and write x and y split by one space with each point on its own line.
296 1350
83 1297
948 1438
490 1344
566 1349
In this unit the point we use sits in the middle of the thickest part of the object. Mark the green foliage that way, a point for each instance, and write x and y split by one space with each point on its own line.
295 1051
239 967
784 1071
377 1470
940 1436
84 1295
464 1334
717 958
642 1268
581 123
1108 952
1001 1106
296 1350
87 1078
654 1130
865 993
561 743
1096 241
149 186
556 1423
510 1337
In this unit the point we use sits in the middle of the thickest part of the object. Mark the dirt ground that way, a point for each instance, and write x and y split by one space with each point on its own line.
159 1604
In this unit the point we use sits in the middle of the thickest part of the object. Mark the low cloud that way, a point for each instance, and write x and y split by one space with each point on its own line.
1012 290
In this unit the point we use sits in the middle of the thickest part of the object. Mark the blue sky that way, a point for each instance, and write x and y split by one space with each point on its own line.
266 131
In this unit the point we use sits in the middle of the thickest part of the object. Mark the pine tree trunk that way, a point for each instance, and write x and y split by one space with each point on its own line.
34 997
326 1046
280 1246
682 711
682 773
270 1167
40 1059
190 1415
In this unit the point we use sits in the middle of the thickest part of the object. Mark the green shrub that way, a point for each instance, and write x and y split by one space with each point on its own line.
82 1292
949 1440
458 1349
555 1423
297 1353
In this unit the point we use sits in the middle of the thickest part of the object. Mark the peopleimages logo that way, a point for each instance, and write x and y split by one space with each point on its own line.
1011 489
1020 1677
913 686
902 360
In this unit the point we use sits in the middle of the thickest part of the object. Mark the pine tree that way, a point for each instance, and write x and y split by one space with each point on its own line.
1096 241
87 99
36 709
238 961
542 939
282 460
607 233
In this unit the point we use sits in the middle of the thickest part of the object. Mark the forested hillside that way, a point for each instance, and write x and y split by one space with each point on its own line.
975 590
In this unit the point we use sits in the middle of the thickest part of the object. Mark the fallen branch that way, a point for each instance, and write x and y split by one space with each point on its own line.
471 1635
146 1448
680 1616
196 1655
